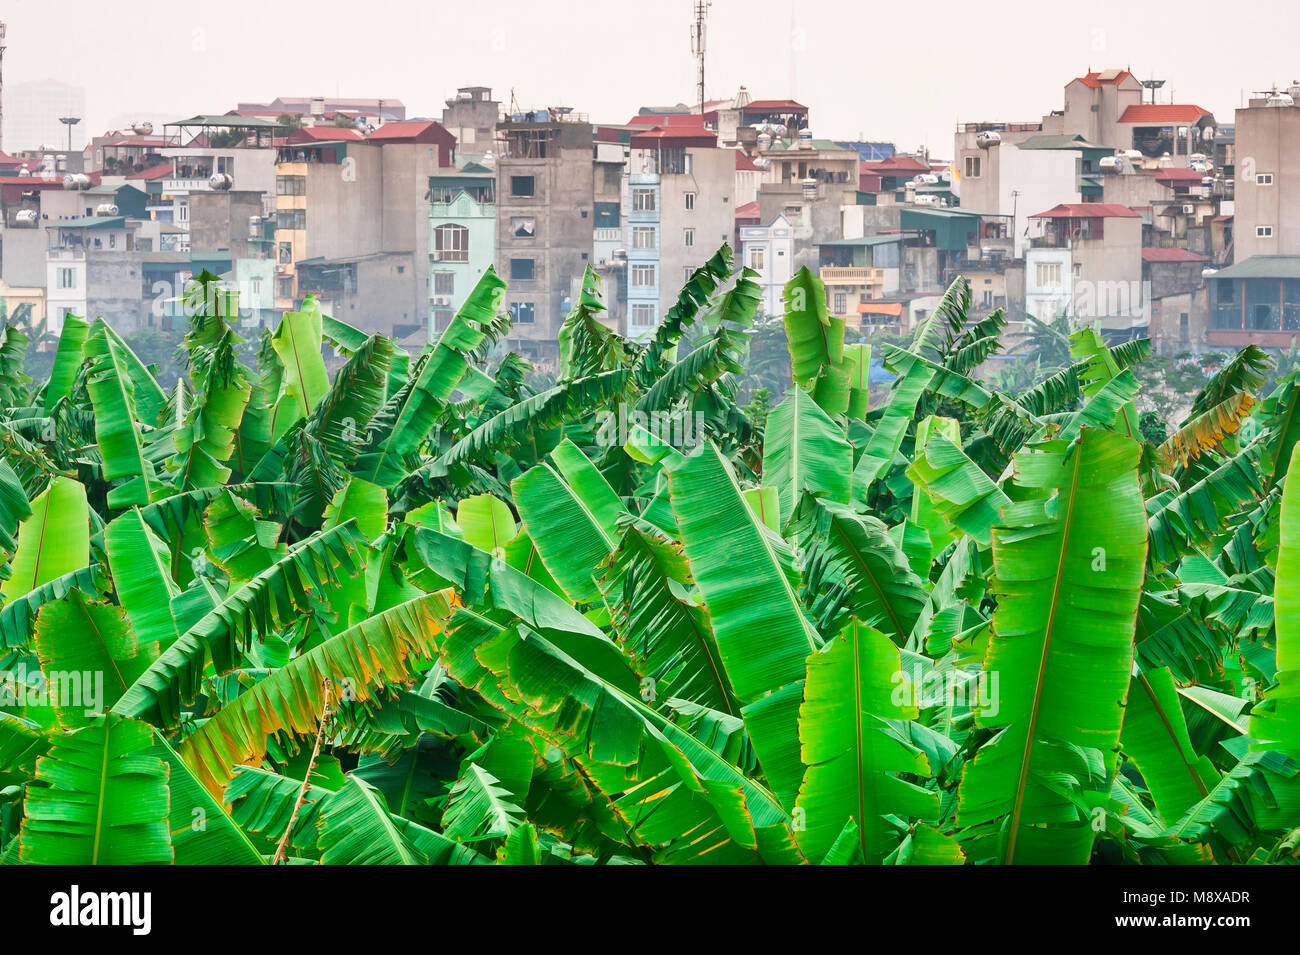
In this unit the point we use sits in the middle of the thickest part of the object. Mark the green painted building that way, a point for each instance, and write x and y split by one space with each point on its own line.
462 238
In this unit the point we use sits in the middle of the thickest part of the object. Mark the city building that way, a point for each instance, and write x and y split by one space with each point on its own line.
545 175
462 237
1266 207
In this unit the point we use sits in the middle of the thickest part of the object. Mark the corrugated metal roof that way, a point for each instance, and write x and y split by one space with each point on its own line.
1263 267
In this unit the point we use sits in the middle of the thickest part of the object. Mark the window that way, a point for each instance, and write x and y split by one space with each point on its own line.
688 237
442 318
523 227
291 185
1263 179
255 289
112 240
523 313
284 287
841 303
444 283
522 268
291 219
522 186
690 201
286 253
643 275
643 237
643 200
451 243
757 259
972 167
67 278
1263 232
1049 274
642 315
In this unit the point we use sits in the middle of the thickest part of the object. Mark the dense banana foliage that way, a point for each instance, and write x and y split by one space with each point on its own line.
419 612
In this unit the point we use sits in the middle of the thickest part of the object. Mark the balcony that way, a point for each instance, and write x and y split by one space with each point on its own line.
842 275
186 185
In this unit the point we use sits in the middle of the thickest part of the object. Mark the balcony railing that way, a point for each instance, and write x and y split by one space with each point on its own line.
842 275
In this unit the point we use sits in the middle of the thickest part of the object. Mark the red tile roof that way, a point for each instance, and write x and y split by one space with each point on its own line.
1088 210
1170 255
893 166
408 129
324 134
662 120
774 106
681 136
1163 113
744 163
1178 175
749 210
1095 80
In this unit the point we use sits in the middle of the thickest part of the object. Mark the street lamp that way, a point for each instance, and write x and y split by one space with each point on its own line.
69 121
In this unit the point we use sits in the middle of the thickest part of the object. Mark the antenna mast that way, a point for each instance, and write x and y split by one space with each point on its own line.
697 44
2 85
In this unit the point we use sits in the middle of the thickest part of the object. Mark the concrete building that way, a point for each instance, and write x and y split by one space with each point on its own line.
462 238
809 181
1255 301
683 209
1086 259
1266 204
472 116
769 251
352 223
93 269
545 174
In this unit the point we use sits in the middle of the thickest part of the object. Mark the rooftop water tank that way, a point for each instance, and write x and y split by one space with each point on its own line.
221 181
987 138
76 180
106 209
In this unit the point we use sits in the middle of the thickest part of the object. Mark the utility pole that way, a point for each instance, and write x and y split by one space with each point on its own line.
697 45
2 86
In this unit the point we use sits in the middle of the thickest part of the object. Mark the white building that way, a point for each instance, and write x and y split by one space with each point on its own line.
769 251
31 115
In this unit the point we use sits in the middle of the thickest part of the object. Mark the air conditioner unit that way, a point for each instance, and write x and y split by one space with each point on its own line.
1188 208
441 300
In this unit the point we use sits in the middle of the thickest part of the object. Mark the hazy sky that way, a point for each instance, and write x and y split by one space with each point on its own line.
905 72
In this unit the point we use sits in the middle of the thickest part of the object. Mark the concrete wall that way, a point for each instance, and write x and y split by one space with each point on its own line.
1267 142
219 220
562 245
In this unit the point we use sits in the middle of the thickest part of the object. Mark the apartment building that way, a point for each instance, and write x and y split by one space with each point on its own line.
1267 182
1085 260
462 237
682 195
769 251
544 178
808 181
352 222
472 116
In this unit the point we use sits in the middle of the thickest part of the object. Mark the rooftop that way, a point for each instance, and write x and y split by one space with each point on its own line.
1088 210
1263 267
1170 255
1098 78
1163 113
